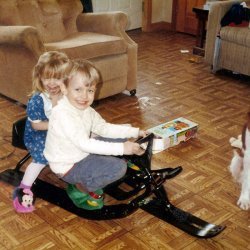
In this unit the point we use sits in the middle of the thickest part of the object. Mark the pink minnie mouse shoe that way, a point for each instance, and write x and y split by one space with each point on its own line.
23 200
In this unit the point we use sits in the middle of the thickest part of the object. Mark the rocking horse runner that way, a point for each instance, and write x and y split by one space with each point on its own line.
147 192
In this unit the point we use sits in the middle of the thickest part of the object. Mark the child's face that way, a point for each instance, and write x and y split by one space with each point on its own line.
52 85
79 94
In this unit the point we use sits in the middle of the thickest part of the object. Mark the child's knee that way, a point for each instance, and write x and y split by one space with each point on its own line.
121 169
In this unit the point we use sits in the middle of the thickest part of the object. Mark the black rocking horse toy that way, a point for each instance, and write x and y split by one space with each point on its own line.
147 191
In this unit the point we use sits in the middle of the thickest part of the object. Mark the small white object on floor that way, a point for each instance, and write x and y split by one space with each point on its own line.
146 101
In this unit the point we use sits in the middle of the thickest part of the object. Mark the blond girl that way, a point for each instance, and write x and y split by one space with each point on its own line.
48 74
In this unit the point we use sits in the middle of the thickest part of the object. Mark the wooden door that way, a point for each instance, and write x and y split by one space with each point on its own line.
186 20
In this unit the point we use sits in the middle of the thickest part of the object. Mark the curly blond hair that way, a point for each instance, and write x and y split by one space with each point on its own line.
52 64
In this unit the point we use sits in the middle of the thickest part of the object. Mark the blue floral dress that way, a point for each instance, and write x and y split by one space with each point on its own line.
35 139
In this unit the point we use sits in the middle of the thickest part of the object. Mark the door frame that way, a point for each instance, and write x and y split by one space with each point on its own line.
146 15
174 14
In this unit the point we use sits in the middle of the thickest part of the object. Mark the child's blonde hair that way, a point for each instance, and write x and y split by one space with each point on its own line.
87 69
52 64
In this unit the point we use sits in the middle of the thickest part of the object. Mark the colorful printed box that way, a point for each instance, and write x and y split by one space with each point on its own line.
172 133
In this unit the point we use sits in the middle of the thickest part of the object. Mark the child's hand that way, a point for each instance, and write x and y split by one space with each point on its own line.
132 148
143 133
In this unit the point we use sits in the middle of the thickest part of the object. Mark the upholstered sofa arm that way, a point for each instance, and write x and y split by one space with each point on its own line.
109 23
23 36
216 13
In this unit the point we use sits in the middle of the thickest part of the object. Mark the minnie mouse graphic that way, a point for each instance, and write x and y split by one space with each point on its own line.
23 199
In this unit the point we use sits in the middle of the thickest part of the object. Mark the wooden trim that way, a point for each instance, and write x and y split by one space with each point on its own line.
180 15
174 14
160 26
147 15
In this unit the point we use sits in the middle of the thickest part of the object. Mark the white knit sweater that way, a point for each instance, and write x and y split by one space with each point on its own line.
68 140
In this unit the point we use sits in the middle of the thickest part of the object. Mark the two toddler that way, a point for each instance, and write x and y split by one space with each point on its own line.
87 164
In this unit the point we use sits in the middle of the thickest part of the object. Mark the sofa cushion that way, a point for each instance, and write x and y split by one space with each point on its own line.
45 15
52 20
7 7
89 45
70 11
238 35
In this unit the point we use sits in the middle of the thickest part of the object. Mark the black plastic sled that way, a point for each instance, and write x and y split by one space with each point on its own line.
146 191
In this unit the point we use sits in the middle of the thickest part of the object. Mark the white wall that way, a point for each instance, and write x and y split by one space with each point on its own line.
167 6
133 8
162 11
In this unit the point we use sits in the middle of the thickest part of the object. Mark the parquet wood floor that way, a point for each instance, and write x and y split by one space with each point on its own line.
169 86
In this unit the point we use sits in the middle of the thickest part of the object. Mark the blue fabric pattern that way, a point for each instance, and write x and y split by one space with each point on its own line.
35 139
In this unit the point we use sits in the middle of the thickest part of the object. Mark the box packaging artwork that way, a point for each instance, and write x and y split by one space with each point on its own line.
172 133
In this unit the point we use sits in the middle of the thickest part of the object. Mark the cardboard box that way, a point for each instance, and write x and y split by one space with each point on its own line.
172 133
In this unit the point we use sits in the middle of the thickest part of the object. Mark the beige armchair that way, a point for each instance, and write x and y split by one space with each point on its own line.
234 50
30 27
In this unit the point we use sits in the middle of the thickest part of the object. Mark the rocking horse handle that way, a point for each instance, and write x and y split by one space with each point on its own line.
143 160
149 138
